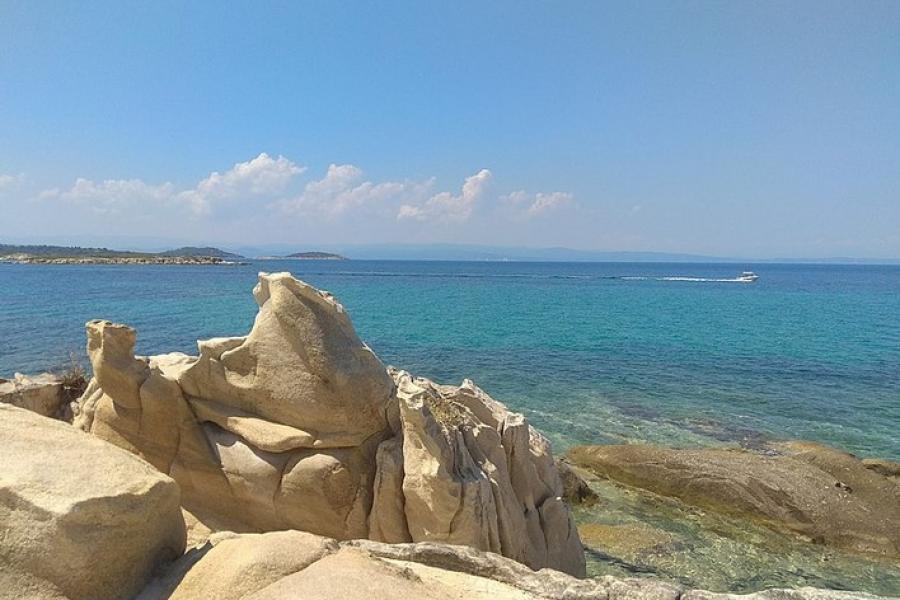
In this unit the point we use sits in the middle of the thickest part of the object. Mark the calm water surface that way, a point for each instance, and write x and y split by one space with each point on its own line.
592 353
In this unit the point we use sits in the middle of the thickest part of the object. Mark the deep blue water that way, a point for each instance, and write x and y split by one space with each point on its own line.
592 353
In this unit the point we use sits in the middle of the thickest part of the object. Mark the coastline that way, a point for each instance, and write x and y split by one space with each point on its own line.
120 260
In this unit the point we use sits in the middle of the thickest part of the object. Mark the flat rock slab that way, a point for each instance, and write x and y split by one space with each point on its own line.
823 494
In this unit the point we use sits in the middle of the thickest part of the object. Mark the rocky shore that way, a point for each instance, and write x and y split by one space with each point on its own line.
24 259
822 494
291 463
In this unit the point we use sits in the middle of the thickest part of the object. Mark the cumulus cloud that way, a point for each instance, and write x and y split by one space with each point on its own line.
343 189
267 190
533 205
447 207
261 176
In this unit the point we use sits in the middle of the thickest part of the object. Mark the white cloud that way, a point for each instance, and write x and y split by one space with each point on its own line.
447 207
343 189
111 195
261 176
533 205
8 182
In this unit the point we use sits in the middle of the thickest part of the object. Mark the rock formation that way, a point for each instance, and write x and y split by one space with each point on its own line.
298 425
823 494
286 565
44 394
79 518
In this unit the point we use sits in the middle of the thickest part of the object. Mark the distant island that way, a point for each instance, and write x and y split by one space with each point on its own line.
316 256
67 255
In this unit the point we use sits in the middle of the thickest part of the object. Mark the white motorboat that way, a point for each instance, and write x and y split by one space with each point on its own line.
748 277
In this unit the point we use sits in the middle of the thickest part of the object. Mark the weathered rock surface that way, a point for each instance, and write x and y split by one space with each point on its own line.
43 394
298 425
823 494
888 468
576 490
288 565
79 518
806 593
291 564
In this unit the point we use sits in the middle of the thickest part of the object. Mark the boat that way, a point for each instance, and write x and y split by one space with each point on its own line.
748 277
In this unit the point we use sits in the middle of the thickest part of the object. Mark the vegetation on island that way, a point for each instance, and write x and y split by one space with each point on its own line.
316 256
43 254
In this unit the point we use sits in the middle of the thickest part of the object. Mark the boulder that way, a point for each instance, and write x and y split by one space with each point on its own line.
576 490
298 425
823 494
291 564
288 565
475 473
79 518
43 394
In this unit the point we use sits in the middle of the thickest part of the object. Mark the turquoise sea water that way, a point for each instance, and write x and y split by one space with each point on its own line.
592 353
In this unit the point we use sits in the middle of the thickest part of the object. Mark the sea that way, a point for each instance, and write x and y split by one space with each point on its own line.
592 353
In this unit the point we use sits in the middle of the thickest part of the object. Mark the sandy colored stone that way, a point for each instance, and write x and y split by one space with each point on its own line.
481 477
302 365
888 468
823 494
298 425
43 394
78 517
236 566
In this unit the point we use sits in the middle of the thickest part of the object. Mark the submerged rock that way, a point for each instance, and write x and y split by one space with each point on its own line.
298 425
823 494
79 518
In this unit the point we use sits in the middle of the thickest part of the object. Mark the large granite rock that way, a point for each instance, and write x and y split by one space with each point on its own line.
469 471
825 495
298 425
79 518
288 565
43 394
291 564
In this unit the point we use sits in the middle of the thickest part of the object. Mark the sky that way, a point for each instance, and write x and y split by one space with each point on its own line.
753 129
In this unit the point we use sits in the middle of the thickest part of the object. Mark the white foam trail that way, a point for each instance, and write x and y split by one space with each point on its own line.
703 279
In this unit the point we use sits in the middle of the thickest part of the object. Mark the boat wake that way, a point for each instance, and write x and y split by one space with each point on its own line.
705 279
688 279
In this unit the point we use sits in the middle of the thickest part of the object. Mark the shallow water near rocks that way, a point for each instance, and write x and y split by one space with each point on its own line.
632 533
591 353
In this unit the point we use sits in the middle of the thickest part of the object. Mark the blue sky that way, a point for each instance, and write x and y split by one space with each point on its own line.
728 128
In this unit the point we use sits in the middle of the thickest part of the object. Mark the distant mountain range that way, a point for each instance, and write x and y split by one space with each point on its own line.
470 252
459 252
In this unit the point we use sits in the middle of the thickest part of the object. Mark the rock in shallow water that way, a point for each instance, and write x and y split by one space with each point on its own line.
79 518
823 494
298 425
